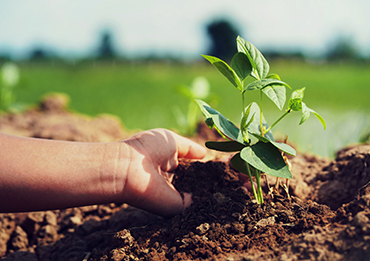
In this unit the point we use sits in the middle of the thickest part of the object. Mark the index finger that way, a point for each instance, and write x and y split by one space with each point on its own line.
189 149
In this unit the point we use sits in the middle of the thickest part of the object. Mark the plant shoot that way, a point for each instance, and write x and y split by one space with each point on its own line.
253 142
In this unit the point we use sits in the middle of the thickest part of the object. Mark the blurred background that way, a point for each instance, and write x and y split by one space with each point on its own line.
136 59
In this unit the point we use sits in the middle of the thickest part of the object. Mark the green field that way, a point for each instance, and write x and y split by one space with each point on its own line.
144 95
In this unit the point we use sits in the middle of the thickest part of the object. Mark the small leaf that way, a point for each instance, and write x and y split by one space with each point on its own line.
221 123
226 70
267 158
241 65
273 76
298 94
225 146
284 147
246 121
321 119
260 84
201 105
295 102
249 122
243 123
276 93
254 127
306 114
260 65
281 146
224 125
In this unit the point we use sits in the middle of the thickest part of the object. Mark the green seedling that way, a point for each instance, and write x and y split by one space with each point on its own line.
256 150
9 79
199 89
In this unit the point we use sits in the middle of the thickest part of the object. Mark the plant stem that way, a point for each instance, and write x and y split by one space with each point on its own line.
251 179
259 188
243 104
277 121
243 131
261 115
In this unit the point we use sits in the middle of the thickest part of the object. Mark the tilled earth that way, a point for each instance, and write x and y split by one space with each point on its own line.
325 216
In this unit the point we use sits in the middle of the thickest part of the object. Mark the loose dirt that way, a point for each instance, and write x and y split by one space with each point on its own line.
324 217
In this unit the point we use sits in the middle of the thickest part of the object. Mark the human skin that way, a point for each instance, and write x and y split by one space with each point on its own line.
39 174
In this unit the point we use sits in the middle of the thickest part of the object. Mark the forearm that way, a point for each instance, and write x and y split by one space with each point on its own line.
38 174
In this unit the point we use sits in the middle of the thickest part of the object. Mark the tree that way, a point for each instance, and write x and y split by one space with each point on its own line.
222 35
38 54
105 49
343 49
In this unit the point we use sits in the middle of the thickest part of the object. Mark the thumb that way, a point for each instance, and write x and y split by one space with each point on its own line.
189 149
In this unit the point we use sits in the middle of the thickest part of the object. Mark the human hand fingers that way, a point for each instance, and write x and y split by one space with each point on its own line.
171 147
188 149
161 197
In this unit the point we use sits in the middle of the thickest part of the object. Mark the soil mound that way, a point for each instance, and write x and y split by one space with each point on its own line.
339 182
52 119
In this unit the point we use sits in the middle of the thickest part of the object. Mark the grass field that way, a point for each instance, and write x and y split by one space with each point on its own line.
144 95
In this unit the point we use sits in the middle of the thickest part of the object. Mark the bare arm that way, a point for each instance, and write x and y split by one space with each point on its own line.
38 174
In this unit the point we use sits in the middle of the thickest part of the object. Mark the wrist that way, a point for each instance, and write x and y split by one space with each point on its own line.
114 168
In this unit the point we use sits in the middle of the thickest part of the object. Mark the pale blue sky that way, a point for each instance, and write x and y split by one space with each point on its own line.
72 27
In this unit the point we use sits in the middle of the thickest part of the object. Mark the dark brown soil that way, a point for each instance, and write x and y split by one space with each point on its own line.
326 216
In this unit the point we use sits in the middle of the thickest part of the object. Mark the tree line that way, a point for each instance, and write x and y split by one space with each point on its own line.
222 34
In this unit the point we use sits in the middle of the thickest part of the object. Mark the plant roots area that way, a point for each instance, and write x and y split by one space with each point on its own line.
324 214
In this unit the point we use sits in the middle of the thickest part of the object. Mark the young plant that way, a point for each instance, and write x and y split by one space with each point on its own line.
9 79
257 152
199 89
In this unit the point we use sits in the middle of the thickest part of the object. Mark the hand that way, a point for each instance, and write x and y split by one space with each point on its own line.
153 157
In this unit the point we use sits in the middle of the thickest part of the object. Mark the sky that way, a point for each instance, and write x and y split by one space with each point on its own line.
72 27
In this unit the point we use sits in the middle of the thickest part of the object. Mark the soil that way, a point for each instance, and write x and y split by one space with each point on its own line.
325 215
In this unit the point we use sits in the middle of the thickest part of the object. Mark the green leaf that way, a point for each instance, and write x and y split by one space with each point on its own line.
273 76
276 93
201 105
318 116
298 94
221 123
267 158
254 127
240 165
281 146
224 125
259 64
260 84
247 112
241 65
306 114
246 121
226 146
273 88
295 102
226 70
